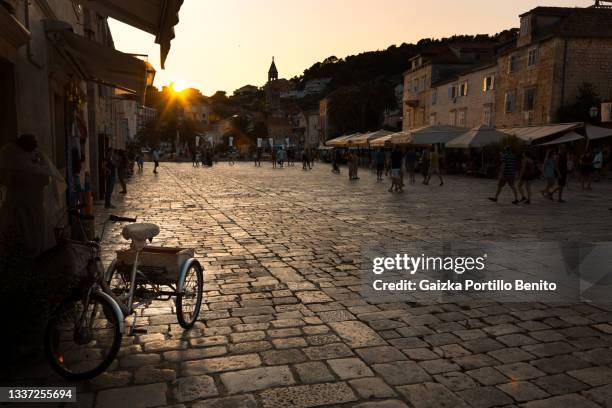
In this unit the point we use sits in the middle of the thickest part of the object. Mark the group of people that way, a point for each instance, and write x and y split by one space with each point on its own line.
395 163
118 165
280 157
556 168
517 173
116 168
203 156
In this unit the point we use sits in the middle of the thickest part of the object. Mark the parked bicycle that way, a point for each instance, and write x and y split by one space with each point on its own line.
84 333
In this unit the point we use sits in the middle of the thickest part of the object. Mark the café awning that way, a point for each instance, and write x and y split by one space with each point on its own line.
340 141
533 133
478 137
157 17
365 138
596 132
427 135
99 63
566 138
382 141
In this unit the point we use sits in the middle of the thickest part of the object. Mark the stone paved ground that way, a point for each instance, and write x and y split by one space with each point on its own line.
284 323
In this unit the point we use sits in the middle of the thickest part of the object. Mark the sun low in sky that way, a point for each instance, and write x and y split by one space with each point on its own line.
223 45
178 85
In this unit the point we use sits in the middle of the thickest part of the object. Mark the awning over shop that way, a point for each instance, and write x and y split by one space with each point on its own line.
365 138
568 137
99 63
340 141
157 17
382 141
596 132
533 133
427 135
478 137
12 35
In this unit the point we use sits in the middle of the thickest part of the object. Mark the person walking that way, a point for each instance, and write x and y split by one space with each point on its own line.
526 175
290 158
273 156
305 160
425 164
281 157
349 157
355 165
194 158
155 160
110 176
598 161
434 167
258 157
586 170
335 158
548 171
140 161
561 172
122 169
396 170
507 173
379 162
411 161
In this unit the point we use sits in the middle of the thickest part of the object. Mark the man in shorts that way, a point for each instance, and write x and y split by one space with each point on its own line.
507 174
434 167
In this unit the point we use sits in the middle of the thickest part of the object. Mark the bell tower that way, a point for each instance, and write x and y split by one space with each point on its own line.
272 72
272 89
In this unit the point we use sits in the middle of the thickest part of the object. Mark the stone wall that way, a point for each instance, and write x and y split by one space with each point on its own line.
588 60
544 77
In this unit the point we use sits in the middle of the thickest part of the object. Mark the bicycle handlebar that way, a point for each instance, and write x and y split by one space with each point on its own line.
115 218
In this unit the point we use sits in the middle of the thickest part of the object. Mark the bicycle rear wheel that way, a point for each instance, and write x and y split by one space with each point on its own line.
83 336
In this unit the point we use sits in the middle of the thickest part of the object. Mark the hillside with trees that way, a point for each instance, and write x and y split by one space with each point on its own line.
362 85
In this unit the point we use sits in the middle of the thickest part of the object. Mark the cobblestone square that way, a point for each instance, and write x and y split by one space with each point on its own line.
284 324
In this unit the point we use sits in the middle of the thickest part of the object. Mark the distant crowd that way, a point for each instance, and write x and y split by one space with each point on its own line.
518 171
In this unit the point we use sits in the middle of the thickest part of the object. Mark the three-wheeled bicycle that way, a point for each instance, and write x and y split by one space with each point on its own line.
84 333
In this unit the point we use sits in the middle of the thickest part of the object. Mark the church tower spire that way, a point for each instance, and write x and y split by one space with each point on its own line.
272 72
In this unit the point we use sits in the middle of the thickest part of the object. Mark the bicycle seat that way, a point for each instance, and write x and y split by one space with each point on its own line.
139 233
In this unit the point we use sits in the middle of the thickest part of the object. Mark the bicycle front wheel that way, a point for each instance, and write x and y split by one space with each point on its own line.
83 336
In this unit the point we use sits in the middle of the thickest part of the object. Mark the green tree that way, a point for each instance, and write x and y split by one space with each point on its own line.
360 108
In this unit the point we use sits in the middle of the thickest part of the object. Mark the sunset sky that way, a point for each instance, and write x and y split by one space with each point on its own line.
224 44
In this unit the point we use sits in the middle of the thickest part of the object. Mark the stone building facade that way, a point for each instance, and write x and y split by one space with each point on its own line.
437 64
558 50
466 100
58 75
